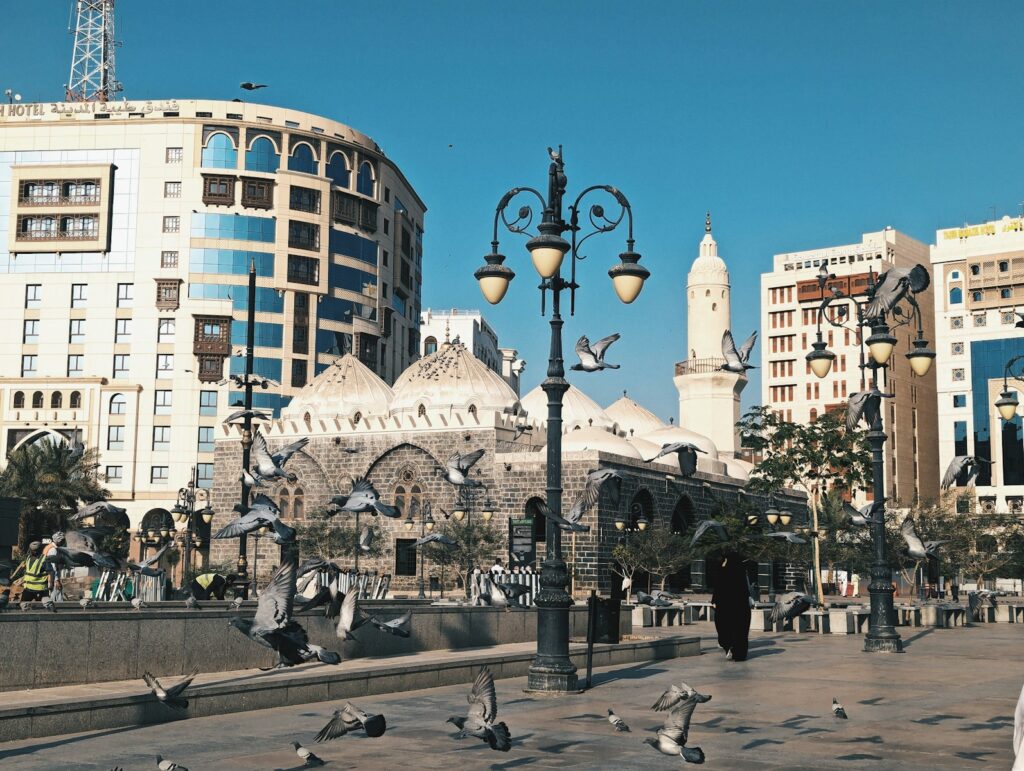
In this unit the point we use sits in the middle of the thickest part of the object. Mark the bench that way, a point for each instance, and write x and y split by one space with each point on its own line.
908 615
699 611
647 616
1009 614
955 615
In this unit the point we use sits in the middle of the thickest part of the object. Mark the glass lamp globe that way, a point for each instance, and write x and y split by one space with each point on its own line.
494 278
548 249
785 517
1007 405
921 358
880 344
820 358
458 514
628 277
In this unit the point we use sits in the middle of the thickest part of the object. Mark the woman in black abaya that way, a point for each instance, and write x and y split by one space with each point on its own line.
731 598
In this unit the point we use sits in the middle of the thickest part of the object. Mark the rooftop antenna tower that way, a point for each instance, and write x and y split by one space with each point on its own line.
93 77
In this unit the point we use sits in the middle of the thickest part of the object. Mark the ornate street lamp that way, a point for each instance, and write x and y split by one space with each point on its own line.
552 669
1007 402
184 511
426 525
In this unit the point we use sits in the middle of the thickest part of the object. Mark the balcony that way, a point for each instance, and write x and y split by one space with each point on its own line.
699 366
344 209
368 216
212 336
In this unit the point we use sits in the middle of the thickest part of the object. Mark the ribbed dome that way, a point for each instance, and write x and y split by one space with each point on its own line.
578 409
632 417
679 434
708 266
452 377
346 387
600 440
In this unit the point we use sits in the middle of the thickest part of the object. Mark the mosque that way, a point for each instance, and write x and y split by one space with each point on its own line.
450 402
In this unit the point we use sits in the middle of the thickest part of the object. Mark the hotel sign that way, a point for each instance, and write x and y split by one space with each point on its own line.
67 109
988 229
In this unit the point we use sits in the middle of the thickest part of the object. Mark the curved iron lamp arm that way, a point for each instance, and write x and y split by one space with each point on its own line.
600 224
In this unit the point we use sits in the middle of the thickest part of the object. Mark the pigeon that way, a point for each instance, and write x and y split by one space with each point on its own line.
892 286
618 722
592 356
978 600
262 513
504 595
146 566
790 605
565 523
663 595
25 605
961 471
138 604
350 618
837 709
737 360
627 581
86 602
274 627
251 86
643 598
308 758
269 466
596 481
864 404
786 536
396 626
329 597
172 696
236 603
456 470
191 604
251 480
241 414
49 604
440 538
483 709
687 454
866 515
677 694
916 548
673 734
351 718
365 539
168 765
96 509
1020 320
364 499
81 550
709 524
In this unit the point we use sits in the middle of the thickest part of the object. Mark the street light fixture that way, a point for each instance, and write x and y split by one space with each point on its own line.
880 344
1007 402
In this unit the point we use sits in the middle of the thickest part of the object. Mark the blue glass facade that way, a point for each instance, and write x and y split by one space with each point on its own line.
331 341
233 226
261 400
219 153
267 300
351 245
344 310
364 181
988 358
337 170
302 159
266 335
262 156
352 279
233 261
261 365
398 304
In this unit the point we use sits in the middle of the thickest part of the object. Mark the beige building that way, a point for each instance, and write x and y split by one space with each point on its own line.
471 329
127 230
790 297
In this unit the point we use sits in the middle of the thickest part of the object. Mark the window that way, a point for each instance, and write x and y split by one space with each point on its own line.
956 296
262 156
958 375
959 400
219 153
167 294
168 259
76 331
75 402
208 403
218 191
121 362
956 322
405 557
975 270
337 170
118 404
955 275
387 226
1004 266
205 439
162 401
115 474
172 190
172 224
204 474
28 365
257 193
364 182
159 474
429 346
298 504
957 349
33 295
980 319
19 400
302 159
165 331
303 235
304 199
78 295
37 400
303 270
30 334
173 155
387 194
122 330
165 365
237 227
1005 294
161 437
1007 317
115 437
211 368
299 367
76 363
125 295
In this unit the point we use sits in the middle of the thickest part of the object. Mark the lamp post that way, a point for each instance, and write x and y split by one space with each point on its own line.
426 524
882 635
774 518
247 384
464 507
184 510
552 670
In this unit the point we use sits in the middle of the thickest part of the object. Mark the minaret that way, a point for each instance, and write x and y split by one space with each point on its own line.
709 399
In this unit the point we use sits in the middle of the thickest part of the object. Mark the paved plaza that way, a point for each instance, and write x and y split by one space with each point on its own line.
948 702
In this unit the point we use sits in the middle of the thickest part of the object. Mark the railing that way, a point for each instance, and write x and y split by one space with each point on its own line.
699 366
56 235
59 200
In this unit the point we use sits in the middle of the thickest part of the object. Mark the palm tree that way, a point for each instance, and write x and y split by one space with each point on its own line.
53 480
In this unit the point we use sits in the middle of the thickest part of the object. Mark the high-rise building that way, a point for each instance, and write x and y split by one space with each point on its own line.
127 230
790 298
471 329
979 286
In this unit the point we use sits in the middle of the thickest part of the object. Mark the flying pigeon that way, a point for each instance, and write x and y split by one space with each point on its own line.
251 480
916 548
329 596
676 695
866 515
86 602
440 538
96 509
350 617
351 718
627 581
262 513
172 696
146 566
274 627
687 454
643 598
673 734
80 548
268 465
596 481
592 356
308 758
790 605
661 594
396 626
709 524
961 471
837 709
737 360
565 523
483 709
1020 320
618 722
251 86
364 499
864 404
786 536
456 470
504 595
242 414
365 539
138 604
168 765
977 600
893 285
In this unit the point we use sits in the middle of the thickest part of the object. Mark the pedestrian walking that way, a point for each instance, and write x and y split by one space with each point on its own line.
731 599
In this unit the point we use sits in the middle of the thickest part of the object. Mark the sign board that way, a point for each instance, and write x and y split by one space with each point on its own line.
520 535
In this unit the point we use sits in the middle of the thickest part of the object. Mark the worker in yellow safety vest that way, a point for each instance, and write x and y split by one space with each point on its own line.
209 585
38 575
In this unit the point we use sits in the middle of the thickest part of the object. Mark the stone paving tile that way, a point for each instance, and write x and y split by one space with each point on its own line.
947 703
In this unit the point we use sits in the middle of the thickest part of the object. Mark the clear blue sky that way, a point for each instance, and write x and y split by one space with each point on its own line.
798 124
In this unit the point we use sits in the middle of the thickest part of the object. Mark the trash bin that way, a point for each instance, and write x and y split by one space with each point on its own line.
606 619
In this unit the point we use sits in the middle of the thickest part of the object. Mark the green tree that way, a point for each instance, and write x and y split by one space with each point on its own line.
629 557
664 553
335 537
53 480
476 542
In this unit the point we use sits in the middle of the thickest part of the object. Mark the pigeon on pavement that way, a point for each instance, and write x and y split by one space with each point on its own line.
643 598
592 356
49 604
685 452
270 466
456 470
709 524
138 604
168 765
483 709
737 359
172 696
236 603
961 471
893 285
837 709
351 718
603 478
191 604
364 499
86 602
617 721
308 758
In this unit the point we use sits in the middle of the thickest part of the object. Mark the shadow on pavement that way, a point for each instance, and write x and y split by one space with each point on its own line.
760 742
756 654
634 672
936 719
908 641
865 740
977 755
63 742
858 756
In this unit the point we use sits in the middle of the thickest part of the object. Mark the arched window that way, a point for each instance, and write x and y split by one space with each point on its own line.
643 505
284 503
75 401
118 404
977 296
421 411
364 183
682 516
262 156
429 346
220 152
975 270
19 400
56 400
356 418
472 410
302 159
400 497
37 400
298 503
337 170
814 414
956 296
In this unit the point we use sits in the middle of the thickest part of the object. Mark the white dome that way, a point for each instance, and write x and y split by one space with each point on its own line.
578 410
678 434
346 387
630 416
596 439
452 377
708 267
738 469
647 449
